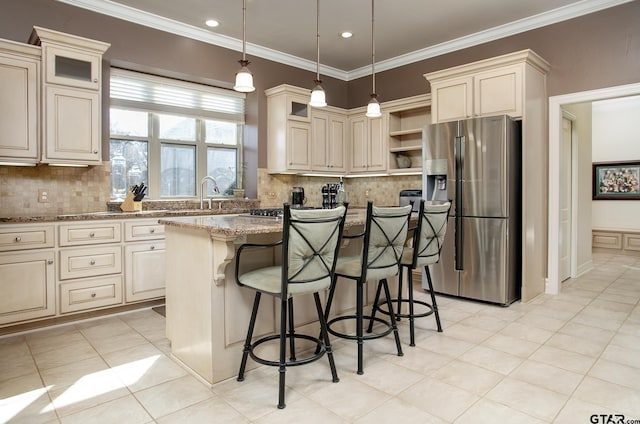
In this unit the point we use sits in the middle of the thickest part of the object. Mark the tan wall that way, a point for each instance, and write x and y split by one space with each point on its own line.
594 51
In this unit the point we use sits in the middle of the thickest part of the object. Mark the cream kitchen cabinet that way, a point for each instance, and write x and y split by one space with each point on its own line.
65 267
27 267
90 265
329 141
90 293
144 260
406 120
496 86
19 102
513 84
368 148
288 130
71 105
144 271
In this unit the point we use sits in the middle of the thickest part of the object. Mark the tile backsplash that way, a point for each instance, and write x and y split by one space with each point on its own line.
78 190
70 189
273 190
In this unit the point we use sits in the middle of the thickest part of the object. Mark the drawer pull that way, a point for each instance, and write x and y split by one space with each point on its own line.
153 230
153 247
50 262
92 234
93 262
93 295
18 239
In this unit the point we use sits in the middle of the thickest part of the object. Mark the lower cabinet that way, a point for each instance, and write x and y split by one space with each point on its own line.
52 269
144 270
90 293
27 286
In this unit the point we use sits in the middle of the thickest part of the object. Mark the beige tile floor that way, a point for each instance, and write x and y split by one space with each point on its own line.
559 359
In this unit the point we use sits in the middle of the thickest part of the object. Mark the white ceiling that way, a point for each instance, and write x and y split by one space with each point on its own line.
405 30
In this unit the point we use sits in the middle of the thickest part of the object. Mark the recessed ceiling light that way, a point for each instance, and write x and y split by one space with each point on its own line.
346 34
212 23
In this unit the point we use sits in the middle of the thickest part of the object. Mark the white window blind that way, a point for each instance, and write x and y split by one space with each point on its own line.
153 93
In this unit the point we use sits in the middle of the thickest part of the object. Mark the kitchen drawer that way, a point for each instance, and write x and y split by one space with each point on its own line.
25 237
90 262
90 293
89 233
143 230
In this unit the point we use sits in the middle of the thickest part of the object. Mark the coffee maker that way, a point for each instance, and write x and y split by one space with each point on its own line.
297 197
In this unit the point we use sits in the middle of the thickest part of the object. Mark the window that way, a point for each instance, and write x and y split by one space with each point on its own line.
170 134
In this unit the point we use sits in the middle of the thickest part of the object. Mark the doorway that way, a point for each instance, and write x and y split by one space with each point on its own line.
556 104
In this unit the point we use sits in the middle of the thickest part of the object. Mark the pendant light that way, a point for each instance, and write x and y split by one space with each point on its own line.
244 78
373 108
318 98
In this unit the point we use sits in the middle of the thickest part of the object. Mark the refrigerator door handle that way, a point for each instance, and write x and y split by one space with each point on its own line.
459 235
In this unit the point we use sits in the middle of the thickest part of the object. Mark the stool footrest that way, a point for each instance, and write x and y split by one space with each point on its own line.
336 333
318 353
407 315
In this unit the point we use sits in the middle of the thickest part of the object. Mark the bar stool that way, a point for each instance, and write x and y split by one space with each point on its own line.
383 238
310 243
427 239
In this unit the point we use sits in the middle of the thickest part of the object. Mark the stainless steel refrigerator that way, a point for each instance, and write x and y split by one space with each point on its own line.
476 164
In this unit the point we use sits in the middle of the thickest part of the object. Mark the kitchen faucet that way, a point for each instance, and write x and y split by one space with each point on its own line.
203 183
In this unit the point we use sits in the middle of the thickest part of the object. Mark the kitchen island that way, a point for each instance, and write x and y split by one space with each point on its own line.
207 311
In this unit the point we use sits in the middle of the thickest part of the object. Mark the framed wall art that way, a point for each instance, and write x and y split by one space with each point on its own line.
616 180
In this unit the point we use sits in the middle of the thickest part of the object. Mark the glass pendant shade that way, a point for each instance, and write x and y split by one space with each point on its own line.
244 79
318 99
373 108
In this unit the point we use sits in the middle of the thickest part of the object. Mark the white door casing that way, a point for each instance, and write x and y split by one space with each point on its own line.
566 191
555 136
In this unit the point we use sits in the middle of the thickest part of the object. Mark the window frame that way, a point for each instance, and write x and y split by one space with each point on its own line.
154 143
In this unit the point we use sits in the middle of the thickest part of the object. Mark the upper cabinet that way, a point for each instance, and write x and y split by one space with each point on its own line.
19 102
288 129
368 147
329 140
406 120
335 141
489 87
72 97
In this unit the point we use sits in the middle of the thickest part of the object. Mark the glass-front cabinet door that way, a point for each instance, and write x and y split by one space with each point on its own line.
72 67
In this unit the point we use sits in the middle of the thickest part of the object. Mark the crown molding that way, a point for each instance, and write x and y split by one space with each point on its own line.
116 10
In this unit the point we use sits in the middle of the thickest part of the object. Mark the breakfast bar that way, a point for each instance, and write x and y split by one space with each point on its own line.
207 312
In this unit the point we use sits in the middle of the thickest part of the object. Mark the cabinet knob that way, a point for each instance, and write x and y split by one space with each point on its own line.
50 262
92 234
93 295
153 230
153 247
93 262
95 152
95 80
18 239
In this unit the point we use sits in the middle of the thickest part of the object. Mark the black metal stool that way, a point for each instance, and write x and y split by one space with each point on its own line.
310 243
425 248
382 242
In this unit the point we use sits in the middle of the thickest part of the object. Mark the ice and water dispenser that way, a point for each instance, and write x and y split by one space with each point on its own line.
435 179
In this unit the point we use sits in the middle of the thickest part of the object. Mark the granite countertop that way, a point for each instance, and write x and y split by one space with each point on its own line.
238 225
219 208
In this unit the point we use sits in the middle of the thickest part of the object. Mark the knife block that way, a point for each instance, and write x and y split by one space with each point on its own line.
128 205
